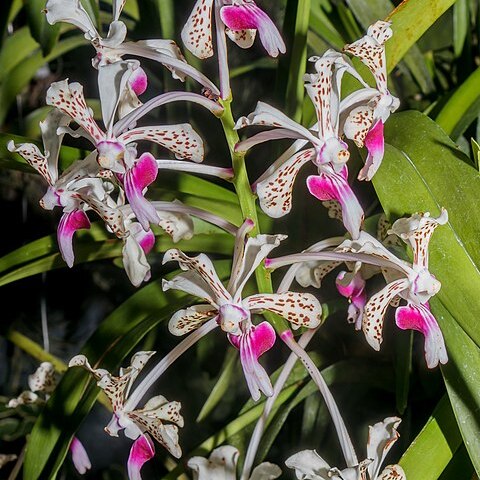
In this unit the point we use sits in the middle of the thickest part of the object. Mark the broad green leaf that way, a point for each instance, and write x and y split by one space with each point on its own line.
15 49
423 171
462 378
75 395
44 33
462 108
434 446
21 75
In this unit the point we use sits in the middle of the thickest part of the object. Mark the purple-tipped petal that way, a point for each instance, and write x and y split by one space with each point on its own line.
138 81
334 186
79 456
418 317
142 450
136 179
247 17
252 344
69 224
374 141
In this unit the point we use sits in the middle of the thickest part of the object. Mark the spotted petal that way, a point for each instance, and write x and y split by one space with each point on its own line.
178 225
43 380
370 49
393 472
358 124
200 278
419 317
243 38
34 157
268 116
329 185
247 16
381 438
69 99
256 249
197 32
182 139
375 309
189 319
417 231
151 418
301 309
311 274
275 191
113 217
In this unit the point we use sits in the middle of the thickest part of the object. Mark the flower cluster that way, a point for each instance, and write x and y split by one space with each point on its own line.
113 180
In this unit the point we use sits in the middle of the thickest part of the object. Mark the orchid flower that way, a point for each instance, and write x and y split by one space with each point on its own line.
329 153
308 465
112 48
411 282
222 465
241 19
368 109
232 313
76 190
140 424
116 151
42 383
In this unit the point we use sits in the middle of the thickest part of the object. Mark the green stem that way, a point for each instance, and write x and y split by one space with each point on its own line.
35 350
246 199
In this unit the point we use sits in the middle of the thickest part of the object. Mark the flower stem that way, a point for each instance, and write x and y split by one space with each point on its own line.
246 199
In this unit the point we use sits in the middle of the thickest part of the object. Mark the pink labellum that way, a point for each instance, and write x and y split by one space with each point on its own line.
79 456
142 450
334 186
252 344
135 181
69 224
418 317
138 81
146 240
375 143
249 17
352 286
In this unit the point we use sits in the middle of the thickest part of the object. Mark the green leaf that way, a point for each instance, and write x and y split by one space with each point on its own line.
22 74
434 446
461 25
462 108
420 162
44 33
89 251
292 66
221 385
462 378
75 395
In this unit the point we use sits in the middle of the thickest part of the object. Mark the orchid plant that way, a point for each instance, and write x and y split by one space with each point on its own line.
119 180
